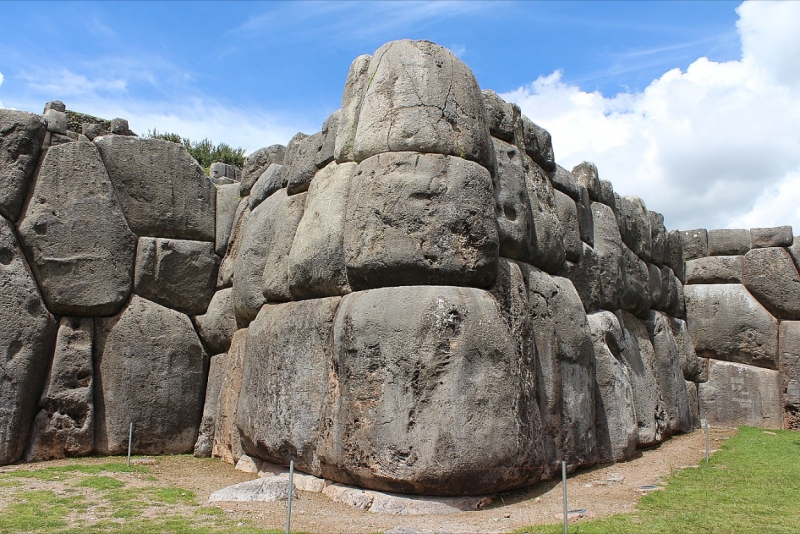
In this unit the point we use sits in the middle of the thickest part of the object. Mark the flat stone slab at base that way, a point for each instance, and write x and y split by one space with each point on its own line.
391 503
259 490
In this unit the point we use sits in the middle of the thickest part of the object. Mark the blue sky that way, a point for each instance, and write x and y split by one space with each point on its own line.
252 74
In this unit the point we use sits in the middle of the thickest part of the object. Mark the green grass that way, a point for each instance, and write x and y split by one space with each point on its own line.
750 486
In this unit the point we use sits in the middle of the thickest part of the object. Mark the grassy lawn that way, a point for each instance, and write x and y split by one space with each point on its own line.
752 485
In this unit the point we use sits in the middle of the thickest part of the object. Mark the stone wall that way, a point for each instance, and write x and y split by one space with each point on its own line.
416 298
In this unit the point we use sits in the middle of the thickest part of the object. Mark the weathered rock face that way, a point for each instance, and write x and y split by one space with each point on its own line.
161 188
271 180
27 334
568 217
548 235
420 219
217 326
771 276
737 394
789 367
715 270
419 376
669 374
205 439
258 162
150 370
695 243
512 203
64 426
728 242
176 273
241 220
634 226
227 440
420 97
285 378
76 235
227 202
780 236
694 369
21 136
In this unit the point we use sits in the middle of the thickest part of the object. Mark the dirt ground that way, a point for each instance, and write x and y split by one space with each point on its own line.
600 491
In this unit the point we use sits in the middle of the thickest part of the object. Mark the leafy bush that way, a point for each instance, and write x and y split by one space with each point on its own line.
205 151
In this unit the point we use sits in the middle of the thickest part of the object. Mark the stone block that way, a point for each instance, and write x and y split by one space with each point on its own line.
715 270
218 324
56 121
568 217
21 137
205 438
512 204
227 440
586 174
779 236
256 163
771 276
728 242
227 202
695 243
738 394
271 180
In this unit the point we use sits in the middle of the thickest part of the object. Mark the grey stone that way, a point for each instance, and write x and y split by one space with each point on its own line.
657 297
635 286
21 137
241 220
271 180
638 355
269 489
285 379
205 438
658 237
227 202
695 243
256 163
563 181
726 242
585 217
271 225
780 236
300 163
420 97
120 127
672 293
175 273
584 275
219 170
227 439
503 117
568 217
64 426
326 148
217 326
607 195
789 367
76 235
57 105
161 188
420 219
317 260
308 483
548 235
353 497
694 369
669 375
419 375
738 394
150 369
634 226
609 251
395 504
694 403
771 276
54 139
352 100
512 204
727 323
56 121
586 175
615 417
673 255
538 144
27 332
90 131
715 270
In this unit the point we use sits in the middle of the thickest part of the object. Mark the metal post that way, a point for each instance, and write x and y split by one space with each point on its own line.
564 484
706 441
289 502
130 443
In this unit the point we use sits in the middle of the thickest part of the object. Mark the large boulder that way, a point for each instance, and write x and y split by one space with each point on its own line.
419 219
568 217
789 367
175 273
728 242
258 162
634 226
512 203
658 237
419 377
205 438
422 98
161 188
586 174
715 270
694 369
299 167
585 217
635 285
218 324
673 255
241 220
150 370
64 426
779 236
76 235
227 439
695 243
547 241
669 374
275 280
271 180
503 117
738 394
227 202
352 100
771 276
727 323
538 144
27 332
285 379
608 248
317 260
21 136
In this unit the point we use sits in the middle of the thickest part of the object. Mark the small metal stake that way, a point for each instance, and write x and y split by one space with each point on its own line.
130 443
707 441
564 484
289 502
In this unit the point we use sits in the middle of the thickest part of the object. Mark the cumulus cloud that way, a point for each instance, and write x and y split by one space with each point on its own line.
715 146
1 83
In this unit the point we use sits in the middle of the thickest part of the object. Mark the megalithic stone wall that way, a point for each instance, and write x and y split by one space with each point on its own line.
416 298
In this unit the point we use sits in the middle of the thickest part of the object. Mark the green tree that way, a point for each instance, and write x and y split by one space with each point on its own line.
204 151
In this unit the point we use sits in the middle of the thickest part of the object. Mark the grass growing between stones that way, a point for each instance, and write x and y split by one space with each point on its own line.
84 498
750 486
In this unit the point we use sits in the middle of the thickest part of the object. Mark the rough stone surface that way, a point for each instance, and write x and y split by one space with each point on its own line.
669 374
772 278
586 175
227 202
635 295
175 273
56 121
585 218
76 235
268 489
538 144
317 260
607 195
300 163
419 375
150 369
21 136
258 162
512 204
789 367
327 147
694 369
634 226
673 255
727 323
161 188
780 236
64 426
218 171
615 410
227 440
503 117
276 272
352 100
420 219
420 97
672 290
205 438
568 217
217 326
715 270
270 181
695 243
241 221
738 394
548 234
658 237
656 287
563 181
728 242
285 378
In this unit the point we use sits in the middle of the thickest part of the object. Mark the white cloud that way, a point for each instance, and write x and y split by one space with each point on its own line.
714 146
1 83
